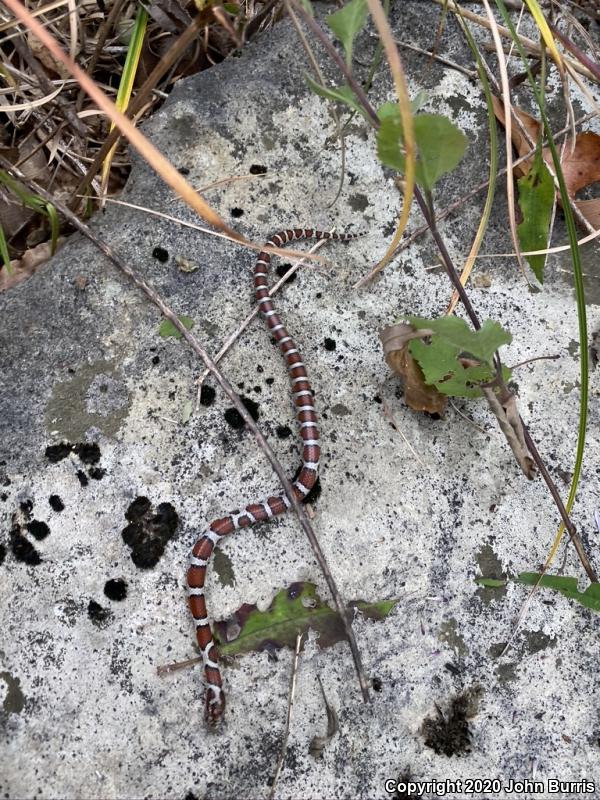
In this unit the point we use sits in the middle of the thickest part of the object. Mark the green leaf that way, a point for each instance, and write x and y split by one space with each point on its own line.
4 255
536 201
481 344
292 611
450 339
167 329
490 583
342 94
590 598
347 23
440 144
231 8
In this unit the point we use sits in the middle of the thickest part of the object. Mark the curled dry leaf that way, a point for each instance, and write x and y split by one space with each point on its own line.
418 396
24 267
319 743
580 164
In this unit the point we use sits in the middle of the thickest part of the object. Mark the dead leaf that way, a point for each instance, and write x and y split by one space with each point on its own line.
506 412
23 268
418 396
45 57
318 743
580 164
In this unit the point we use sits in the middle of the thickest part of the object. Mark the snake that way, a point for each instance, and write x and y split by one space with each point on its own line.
275 505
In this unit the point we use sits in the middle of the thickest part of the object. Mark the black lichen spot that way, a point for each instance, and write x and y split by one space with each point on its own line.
148 533
237 212
56 504
97 473
22 549
234 418
138 509
330 344
449 733
281 270
82 477
155 360
115 589
99 616
183 170
2 553
207 396
26 508
160 254
191 795
56 452
283 431
270 381
39 530
88 452
377 684
258 169
377 399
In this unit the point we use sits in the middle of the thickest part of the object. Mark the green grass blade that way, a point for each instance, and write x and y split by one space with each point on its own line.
575 260
4 251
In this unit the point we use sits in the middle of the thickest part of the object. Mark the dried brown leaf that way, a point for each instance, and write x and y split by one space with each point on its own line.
418 396
580 164
23 268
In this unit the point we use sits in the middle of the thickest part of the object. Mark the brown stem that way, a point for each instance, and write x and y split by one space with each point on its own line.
153 295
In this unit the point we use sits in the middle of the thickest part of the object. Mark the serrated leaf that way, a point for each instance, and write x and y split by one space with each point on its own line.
452 339
481 344
590 598
167 329
440 144
292 611
342 94
536 200
347 23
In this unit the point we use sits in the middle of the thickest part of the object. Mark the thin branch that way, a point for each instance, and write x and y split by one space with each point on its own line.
155 298
288 716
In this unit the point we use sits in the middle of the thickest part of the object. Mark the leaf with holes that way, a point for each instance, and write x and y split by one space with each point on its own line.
166 328
347 23
455 359
590 598
536 201
293 611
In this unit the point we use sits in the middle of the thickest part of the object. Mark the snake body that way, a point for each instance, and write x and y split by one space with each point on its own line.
272 506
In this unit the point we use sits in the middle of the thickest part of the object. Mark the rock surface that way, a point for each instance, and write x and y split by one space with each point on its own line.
91 408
